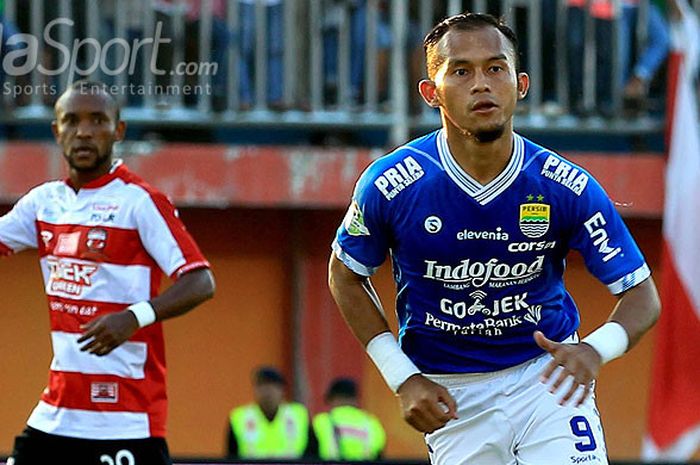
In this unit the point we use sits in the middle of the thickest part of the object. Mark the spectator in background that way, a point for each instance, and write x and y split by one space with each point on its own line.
8 30
220 40
270 427
275 53
335 13
603 13
648 62
347 432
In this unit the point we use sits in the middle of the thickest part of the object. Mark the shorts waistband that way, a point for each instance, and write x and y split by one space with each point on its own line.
461 379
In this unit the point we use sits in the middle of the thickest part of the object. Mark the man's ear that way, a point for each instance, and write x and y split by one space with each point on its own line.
54 130
120 131
428 91
523 85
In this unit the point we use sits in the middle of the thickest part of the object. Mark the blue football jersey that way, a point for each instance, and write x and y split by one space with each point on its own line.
479 268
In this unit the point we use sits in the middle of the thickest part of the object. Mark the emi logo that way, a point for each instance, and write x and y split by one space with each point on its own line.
433 224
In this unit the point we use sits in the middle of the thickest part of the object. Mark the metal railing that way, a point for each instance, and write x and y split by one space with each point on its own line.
298 63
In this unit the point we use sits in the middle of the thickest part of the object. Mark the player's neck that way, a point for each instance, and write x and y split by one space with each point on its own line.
483 161
79 179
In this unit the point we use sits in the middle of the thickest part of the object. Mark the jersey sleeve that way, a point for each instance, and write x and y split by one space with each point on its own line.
361 241
608 248
18 227
165 238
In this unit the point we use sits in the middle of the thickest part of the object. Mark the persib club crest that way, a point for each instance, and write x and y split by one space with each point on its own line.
534 219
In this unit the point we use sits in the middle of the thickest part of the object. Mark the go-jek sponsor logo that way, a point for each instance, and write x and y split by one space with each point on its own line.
398 177
512 310
67 277
477 274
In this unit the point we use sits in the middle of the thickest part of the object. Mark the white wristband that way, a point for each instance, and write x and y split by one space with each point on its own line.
144 313
391 361
610 341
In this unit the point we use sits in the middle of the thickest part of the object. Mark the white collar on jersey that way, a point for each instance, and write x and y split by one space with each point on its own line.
486 193
116 163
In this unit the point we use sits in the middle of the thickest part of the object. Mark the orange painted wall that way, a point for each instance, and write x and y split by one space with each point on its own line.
212 350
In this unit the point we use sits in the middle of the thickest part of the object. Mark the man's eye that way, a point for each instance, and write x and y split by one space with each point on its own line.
496 68
460 71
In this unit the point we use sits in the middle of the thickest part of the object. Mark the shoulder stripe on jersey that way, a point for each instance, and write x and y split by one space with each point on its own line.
354 265
535 156
486 193
423 154
186 244
630 280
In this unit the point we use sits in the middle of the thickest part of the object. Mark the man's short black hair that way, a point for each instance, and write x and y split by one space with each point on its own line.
342 387
464 22
88 87
268 375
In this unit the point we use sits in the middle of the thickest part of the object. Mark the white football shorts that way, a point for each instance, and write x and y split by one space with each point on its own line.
509 417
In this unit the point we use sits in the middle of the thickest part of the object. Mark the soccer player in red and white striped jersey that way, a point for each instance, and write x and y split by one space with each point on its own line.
105 238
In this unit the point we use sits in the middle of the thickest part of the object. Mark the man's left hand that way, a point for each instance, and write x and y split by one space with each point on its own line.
578 361
105 333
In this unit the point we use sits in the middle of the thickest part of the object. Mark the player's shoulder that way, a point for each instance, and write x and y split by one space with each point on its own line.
47 191
561 173
403 167
134 187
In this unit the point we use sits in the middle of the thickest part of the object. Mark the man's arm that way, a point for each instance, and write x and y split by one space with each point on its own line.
103 334
636 312
426 405
231 443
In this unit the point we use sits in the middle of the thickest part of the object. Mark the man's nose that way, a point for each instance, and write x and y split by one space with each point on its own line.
480 82
84 129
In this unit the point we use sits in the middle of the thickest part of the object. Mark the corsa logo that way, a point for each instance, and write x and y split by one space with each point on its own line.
69 277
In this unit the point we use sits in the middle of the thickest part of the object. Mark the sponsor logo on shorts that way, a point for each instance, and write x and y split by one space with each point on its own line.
565 174
398 177
104 393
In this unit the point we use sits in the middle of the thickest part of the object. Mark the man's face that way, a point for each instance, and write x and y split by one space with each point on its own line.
477 86
269 395
86 128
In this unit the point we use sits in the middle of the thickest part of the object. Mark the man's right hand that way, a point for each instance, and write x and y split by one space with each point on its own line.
426 405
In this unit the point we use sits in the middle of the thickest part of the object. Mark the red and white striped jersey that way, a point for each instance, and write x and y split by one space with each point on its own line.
101 249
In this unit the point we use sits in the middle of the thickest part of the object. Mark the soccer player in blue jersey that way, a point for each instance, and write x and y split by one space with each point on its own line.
478 221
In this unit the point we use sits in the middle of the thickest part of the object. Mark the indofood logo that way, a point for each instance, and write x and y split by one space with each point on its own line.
473 273
534 218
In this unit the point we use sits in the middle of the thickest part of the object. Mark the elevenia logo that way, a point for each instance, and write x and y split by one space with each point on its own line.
354 221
